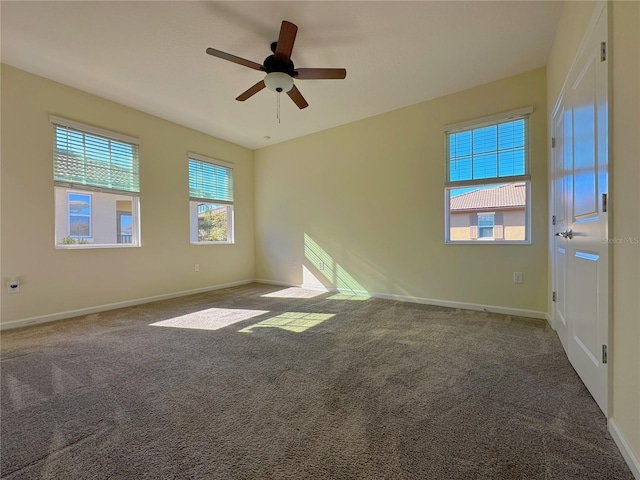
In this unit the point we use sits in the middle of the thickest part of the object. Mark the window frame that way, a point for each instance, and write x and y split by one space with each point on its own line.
195 201
470 125
71 187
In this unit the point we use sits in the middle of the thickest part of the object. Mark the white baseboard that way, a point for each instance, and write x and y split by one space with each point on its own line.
550 321
427 301
464 305
277 283
627 452
112 306
139 301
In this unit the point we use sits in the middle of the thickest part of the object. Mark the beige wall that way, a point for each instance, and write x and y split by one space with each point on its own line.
369 196
624 54
625 175
55 281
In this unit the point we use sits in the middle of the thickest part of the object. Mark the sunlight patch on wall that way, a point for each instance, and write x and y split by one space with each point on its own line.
210 319
309 280
294 292
291 321
327 267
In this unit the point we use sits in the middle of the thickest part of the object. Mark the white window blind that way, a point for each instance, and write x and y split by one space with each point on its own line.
494 151
210 181
94 161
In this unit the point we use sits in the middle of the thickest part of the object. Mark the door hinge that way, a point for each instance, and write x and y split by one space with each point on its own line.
603 51
553 220
553 142
604 354
604 202
554 297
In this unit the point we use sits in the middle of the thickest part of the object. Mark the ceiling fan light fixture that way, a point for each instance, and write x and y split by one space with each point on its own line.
278 82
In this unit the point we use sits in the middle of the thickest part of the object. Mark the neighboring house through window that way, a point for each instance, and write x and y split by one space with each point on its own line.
488 181
79 215
211 200
97 186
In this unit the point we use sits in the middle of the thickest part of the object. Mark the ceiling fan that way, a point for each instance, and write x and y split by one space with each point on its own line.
280 69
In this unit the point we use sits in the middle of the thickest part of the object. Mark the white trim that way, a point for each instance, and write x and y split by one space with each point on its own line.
213 161
627 452
550 321
595 16
63 122
427 301
463 305
112 306
81 188
479 122
402 298
488 181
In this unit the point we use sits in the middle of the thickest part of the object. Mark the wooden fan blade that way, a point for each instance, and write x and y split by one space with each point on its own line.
285 41
297 98
320 73
234 59
252 91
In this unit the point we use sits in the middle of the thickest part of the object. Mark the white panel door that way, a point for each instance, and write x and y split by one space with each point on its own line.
581 250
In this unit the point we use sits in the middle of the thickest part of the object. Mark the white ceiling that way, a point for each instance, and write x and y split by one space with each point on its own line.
151 55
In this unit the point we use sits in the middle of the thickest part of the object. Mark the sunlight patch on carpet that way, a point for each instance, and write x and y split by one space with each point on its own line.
210 319
291 321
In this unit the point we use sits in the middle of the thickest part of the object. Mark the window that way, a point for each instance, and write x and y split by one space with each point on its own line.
96 184
488 184
79 215
210 200
125 227
485 225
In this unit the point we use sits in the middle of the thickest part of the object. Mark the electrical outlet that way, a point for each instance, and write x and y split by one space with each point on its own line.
196 267
518 277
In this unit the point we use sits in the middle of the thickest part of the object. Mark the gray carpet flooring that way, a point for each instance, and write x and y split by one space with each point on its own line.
264 382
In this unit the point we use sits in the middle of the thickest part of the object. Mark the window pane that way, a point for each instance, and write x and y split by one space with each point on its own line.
511 163
79 226
79 204
511 134
83 159
209 181
213 222
95 219
485 220
460 169
485 139
485 232
492 151
498 211
485 166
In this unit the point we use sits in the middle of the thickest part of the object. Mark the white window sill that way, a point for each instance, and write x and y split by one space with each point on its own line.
489 241
212 243
93 246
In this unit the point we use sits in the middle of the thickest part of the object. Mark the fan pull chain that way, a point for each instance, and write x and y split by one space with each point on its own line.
278 109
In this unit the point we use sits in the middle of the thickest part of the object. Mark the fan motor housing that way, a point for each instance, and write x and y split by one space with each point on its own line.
272 65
